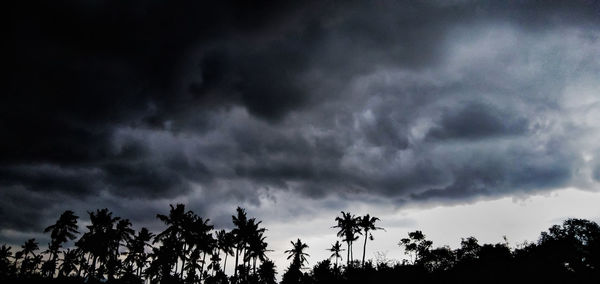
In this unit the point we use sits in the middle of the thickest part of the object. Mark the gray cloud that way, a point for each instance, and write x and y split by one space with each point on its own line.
216 105
476 121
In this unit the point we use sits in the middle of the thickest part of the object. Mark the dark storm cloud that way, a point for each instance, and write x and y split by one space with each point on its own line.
226 102
476 121
493 175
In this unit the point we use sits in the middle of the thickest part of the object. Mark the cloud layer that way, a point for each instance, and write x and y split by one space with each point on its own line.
114 104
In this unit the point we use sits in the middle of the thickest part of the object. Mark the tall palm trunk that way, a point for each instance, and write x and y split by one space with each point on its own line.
182 262
225 262
348 253
244 260
237 250
202 266
364 248
93 267
176 264
351 251
52 258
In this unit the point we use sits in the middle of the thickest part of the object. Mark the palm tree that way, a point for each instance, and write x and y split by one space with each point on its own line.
226 242
255 245
63 230
367 223
297 253
192 266
121 234
178 222
200 238
136 250
335 251
70 260
266 272
5 267
257 248
240 221
348 225
28 265
97 241
18 255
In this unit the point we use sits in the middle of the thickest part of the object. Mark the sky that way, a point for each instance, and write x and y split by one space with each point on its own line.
460 118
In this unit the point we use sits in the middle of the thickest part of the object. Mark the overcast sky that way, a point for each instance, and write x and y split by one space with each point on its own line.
456 117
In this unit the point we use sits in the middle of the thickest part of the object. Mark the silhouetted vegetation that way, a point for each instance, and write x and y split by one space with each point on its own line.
190 250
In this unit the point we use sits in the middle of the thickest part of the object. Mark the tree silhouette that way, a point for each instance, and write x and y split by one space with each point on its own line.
201 240
335 251
348 229
29 264
240 221
136 250
367 224
178 223
469 249
416 244
69 262
5 265
566 253
65 229
226 243
266 272
99 240
297 253
298 256
256 247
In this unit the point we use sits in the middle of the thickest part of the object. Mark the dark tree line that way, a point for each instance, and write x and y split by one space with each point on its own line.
190 250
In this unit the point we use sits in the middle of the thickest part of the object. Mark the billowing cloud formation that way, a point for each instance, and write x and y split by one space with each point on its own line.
234 103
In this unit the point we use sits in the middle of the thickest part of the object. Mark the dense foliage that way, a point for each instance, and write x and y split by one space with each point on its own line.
190 250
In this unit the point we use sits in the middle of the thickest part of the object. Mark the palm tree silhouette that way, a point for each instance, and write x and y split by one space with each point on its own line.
297 253
18 255
178 222
136 250
348 225
226 243
200 239
266 272
63 230
240 221
192 266
254 243
69 262
99 238
335 251
257 248
5 254
120 235
28 265
367 223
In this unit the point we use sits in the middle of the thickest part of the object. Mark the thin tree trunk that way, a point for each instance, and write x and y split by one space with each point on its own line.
94 266
237 250
53 255
225 262
202 266
182 262
348 252
364 248
176 264
244 260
